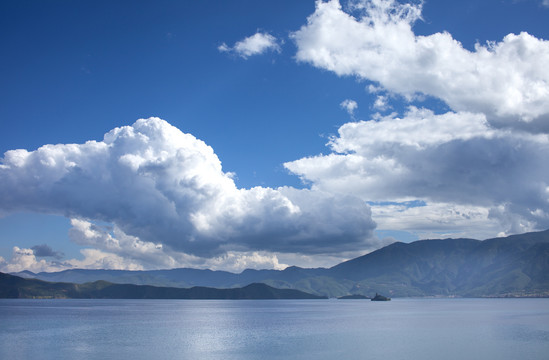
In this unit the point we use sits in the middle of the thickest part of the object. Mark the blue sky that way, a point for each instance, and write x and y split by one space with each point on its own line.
454 119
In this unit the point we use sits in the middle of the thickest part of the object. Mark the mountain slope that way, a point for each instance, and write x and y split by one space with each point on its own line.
516 265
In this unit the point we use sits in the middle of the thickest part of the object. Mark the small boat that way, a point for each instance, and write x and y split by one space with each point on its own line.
380 298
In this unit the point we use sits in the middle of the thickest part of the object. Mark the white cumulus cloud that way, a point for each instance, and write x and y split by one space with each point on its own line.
455 159
24 259
507 80
165 191
256 44
478 170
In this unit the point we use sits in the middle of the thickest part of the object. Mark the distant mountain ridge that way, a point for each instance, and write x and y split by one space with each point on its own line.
517 265
17 287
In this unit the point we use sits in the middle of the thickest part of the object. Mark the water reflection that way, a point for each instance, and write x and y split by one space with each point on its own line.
275 329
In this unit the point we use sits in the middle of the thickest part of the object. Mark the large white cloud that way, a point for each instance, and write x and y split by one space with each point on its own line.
164 189
478 170
455 159
507 81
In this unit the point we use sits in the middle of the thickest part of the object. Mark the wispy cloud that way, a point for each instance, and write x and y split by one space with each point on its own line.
350 106
256 44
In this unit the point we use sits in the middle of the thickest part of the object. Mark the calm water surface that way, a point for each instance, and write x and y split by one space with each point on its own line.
275 329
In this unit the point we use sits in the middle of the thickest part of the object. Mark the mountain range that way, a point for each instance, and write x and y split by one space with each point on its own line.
516 266
16 287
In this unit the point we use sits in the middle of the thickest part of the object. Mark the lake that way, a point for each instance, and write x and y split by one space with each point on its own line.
275 329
